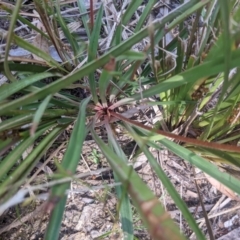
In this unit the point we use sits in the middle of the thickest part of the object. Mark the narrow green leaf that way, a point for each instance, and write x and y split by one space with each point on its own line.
211 15
6 144
8 162
69 163
131 56
191 76
103 83
92 51
158 222
29 163
85 18
15 121
19 67
131 9
124 201
167 183
144 15
180 56
218 156
203 164
125 210
7 90
24 21
114 52
10 37
227 42
66 31
38 114
38 52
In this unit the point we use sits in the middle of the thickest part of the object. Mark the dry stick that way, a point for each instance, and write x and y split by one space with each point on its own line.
193 141
220 213
44 164
208 224
86 163
216 207
108 14
160 161
181 195
117 19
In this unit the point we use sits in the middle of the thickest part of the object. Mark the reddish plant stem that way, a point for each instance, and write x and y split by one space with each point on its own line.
193 141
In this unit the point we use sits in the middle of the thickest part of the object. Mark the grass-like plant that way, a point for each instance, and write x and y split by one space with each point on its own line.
183 78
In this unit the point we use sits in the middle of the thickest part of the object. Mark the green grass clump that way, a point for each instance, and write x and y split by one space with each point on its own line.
38 103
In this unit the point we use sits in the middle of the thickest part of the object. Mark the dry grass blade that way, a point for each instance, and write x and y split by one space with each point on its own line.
221 188
209 227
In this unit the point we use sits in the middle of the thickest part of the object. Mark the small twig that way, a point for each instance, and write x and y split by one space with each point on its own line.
118 88
181 191
209 227
219 213
189 121
44 164
216 207
133 151
86 163
159 158
118 17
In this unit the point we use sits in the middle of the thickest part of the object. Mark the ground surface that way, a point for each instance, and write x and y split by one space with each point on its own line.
91 212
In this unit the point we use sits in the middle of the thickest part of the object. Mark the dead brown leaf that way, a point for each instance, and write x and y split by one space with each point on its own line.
40 41
110 66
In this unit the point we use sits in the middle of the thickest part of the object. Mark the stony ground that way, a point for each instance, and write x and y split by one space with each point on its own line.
91 206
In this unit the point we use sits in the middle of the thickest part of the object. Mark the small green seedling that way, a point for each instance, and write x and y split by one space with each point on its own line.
95 156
